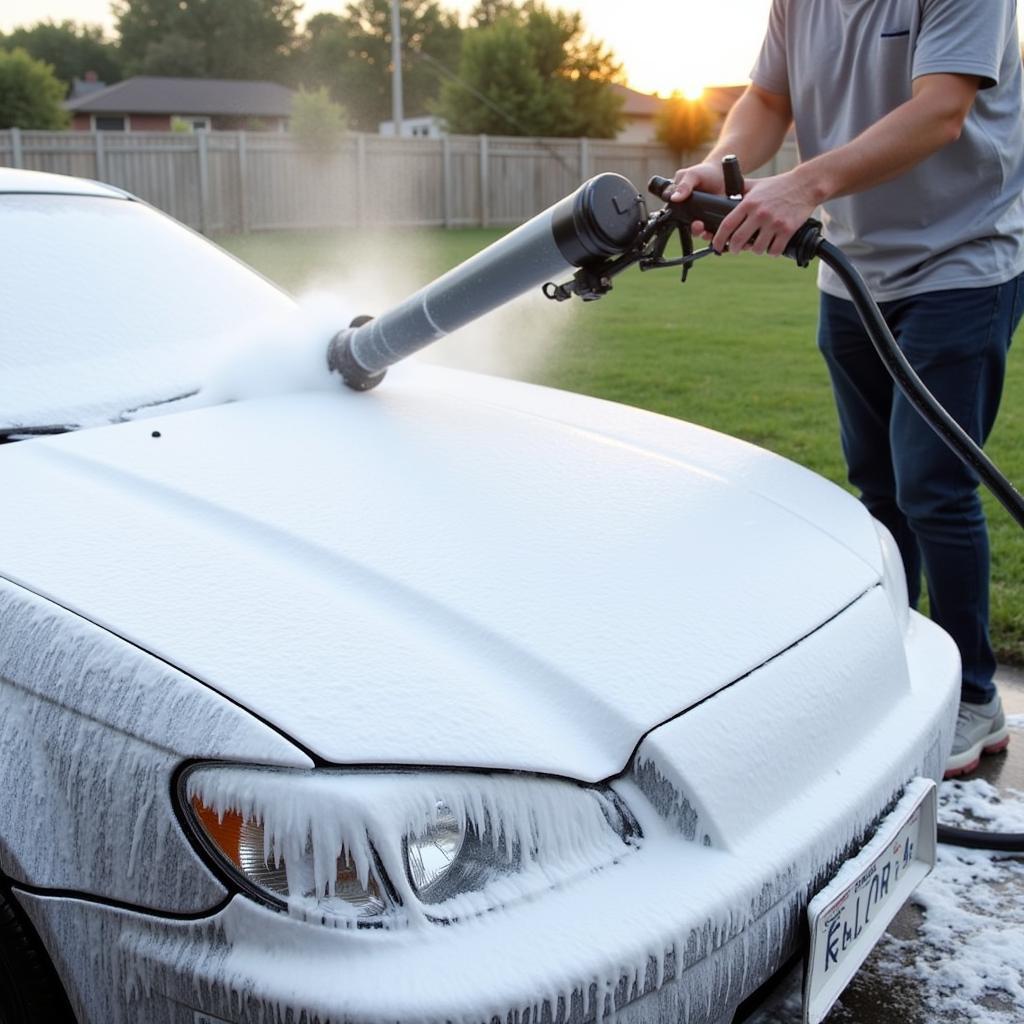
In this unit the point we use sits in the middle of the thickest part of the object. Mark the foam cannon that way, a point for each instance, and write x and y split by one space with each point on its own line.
599 221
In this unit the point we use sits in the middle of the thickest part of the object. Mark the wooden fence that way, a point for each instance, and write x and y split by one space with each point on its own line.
253 181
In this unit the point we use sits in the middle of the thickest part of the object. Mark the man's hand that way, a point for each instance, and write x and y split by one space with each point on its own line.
753 131
705 177
773 209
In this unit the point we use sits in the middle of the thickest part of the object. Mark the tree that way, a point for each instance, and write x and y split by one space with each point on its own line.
317 121
528 71
71 49
684 125
207 38
499 90
487 12
30 93
175 56
350 55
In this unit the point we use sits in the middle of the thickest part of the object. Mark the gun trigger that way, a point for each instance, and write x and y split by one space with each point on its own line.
686 241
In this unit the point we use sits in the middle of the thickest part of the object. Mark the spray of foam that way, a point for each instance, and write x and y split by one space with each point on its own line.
285 355
288 353
513 341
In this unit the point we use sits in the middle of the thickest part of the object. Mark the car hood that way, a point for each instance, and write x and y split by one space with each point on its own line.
450 570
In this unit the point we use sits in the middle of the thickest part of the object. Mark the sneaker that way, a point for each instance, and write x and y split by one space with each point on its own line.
980 729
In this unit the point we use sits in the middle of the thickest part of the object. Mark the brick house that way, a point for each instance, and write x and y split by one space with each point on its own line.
149 104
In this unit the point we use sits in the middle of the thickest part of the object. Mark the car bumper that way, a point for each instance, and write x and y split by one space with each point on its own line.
748 803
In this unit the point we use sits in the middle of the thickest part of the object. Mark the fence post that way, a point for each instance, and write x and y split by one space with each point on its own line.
243 182
584 159
101 157
485 183
361 184
446 180
203 158
17 159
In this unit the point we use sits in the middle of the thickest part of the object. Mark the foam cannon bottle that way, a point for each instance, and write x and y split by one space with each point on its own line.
601 219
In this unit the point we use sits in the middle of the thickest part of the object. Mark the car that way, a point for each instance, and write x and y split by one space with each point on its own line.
459 700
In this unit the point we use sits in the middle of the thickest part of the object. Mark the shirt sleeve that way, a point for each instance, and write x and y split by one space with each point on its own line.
958 38
771 70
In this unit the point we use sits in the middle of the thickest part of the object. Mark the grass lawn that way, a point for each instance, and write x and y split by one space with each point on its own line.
733 349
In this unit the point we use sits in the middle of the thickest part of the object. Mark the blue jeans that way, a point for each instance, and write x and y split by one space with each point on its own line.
957 341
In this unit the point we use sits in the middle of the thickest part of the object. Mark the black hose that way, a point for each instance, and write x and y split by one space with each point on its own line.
962 445
912 387
977 839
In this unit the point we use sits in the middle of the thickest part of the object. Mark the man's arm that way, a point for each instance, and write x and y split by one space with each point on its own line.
775 207
753 131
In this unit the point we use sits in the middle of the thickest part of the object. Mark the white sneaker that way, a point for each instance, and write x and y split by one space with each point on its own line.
980 729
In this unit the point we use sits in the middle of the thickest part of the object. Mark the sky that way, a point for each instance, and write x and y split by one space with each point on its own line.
664 44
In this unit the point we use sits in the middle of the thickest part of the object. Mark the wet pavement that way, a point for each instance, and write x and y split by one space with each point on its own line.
930 971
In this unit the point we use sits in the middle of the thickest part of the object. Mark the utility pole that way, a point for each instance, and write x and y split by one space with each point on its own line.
397 114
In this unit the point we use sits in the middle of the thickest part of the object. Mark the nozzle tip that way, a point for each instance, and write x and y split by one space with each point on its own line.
340 359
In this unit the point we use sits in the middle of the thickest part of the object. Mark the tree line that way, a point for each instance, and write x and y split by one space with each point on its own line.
509 68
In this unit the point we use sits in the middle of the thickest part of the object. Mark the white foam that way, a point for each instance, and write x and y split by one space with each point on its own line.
966 962
554 829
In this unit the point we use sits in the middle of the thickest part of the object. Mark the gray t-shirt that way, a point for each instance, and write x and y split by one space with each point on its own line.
956 220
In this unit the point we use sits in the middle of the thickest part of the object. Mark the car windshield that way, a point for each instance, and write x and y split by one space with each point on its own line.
107 306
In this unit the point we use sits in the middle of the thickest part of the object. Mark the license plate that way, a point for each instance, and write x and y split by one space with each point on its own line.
849 915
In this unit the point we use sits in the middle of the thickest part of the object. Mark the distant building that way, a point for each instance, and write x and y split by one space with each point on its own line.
146 103
425 127
641 109
640 113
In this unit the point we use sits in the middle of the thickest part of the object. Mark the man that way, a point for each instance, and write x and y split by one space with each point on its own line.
908 117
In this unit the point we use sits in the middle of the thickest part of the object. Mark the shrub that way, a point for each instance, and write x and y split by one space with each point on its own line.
30 93
317 121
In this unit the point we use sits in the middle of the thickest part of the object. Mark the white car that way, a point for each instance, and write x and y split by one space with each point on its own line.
459 700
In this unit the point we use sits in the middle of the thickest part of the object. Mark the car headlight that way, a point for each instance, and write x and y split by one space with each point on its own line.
373 848
894 578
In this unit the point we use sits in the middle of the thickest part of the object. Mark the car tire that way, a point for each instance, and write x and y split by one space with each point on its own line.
30 991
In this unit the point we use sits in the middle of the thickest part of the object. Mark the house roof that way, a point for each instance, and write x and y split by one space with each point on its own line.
146 94
638 104
718 98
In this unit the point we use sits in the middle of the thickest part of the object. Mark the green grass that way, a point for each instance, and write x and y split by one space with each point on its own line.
733 349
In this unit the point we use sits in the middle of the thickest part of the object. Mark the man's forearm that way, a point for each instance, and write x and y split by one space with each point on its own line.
775 207
899 141
754 130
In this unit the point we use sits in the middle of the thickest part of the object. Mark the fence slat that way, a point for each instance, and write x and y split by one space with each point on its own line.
101 161
485 183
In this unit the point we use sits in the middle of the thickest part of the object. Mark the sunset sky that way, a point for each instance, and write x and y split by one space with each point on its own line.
664 45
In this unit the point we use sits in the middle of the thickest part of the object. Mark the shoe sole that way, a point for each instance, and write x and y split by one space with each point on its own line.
971 758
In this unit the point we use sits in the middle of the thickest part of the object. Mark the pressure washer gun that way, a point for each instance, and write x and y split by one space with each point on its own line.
648 251
598 231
